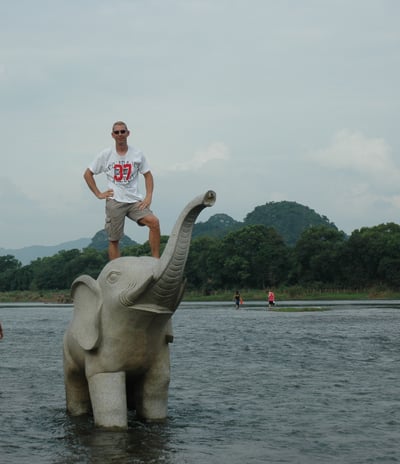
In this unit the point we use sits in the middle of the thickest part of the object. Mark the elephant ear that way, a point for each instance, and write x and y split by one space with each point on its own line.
87 298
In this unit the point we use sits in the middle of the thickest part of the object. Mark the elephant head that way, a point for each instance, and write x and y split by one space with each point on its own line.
144 284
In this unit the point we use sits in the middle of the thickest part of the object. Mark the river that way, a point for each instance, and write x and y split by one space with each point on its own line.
248 386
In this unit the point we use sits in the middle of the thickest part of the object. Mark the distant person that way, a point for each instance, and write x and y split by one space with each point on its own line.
237 299
122 166
1 332
271 299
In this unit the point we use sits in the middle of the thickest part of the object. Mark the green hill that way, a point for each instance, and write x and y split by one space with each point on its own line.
216 226
100 241
288 218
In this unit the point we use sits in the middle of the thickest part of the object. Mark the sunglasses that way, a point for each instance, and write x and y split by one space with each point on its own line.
123 131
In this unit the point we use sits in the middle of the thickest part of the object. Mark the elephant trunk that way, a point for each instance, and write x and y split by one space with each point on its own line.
167 288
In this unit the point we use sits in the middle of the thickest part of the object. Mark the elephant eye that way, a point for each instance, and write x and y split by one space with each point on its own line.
113 277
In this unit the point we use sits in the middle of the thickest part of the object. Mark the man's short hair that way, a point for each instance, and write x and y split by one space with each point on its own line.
119 123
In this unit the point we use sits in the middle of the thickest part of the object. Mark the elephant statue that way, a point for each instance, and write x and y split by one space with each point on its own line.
116 353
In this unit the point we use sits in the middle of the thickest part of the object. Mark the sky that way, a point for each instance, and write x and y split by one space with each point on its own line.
258 100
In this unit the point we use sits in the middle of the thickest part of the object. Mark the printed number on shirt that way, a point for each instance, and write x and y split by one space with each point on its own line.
122 172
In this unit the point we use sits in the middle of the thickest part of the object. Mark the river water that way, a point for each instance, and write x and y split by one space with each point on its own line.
248 386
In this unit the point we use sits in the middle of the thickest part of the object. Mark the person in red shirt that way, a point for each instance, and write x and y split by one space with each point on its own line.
271 298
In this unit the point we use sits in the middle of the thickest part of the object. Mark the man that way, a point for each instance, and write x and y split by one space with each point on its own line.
122 166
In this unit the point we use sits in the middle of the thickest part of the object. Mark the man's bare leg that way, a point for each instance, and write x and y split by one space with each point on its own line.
153 224
113 250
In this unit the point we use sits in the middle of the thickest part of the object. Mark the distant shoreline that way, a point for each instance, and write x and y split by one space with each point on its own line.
58 297
64 296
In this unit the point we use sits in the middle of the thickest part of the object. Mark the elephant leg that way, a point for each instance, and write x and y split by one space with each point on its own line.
108 395
77 393
152 393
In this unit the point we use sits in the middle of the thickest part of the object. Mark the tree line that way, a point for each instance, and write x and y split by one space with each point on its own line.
254 256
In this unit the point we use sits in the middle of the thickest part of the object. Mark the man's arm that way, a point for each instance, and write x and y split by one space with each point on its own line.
89 178
149 185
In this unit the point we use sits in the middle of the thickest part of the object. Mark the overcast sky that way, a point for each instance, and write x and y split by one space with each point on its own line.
259 100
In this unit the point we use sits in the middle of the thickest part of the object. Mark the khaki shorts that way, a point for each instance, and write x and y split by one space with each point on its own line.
115 217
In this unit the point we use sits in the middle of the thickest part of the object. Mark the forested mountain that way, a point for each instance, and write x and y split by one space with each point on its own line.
253 256
278 244
288 218
216 226
100 241
27 254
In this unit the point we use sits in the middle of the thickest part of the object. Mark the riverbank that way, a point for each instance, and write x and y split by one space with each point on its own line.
296 293
60 297
286 294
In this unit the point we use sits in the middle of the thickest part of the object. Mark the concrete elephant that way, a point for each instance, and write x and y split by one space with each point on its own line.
116 353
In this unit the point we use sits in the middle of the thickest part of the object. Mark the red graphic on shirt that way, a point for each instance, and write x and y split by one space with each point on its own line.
122 172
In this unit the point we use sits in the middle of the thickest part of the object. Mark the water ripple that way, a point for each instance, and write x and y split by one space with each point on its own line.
249 386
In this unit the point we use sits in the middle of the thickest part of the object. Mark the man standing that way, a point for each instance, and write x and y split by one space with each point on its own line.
122 166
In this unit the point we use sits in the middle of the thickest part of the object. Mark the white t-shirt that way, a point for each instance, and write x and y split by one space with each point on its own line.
122 172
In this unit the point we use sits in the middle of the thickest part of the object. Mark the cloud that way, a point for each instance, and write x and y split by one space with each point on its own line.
20 215
27 219
358 178
10 196
215 151
369 158
3 72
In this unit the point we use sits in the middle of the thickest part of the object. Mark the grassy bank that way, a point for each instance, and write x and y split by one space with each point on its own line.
45 296
287 294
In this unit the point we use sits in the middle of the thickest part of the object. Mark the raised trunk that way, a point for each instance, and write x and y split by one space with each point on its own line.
167 290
